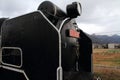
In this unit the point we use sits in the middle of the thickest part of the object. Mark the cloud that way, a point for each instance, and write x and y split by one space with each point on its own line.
11 8
104 14
91 28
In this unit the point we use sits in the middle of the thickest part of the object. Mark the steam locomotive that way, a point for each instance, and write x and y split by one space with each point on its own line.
45 45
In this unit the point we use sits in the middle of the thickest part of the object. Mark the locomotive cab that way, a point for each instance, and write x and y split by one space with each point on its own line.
45 44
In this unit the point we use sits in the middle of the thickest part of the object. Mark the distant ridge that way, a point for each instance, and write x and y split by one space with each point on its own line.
105 39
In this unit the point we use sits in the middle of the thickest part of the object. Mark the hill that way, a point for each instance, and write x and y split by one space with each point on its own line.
105 39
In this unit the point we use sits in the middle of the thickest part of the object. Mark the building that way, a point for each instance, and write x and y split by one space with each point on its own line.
113 46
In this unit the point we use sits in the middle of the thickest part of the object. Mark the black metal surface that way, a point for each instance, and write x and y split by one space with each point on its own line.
85 58
72 10
38 41
11 75
76 50
69 47
52 12
1 22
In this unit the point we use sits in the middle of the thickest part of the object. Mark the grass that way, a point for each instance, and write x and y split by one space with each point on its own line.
107 57
107 74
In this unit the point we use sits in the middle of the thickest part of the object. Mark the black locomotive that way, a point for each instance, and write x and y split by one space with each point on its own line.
45 45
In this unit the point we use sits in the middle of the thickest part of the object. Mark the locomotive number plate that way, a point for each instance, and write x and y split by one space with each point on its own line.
73 33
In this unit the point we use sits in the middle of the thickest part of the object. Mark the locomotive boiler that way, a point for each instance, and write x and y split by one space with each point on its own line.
46 44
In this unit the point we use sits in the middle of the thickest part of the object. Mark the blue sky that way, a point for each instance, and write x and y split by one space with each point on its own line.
98 16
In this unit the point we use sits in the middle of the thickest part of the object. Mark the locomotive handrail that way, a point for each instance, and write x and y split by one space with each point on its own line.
60 40
59 69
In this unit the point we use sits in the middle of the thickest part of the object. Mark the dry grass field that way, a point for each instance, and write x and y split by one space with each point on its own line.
108 57
107 63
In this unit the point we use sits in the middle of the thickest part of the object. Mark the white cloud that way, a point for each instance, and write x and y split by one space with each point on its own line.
91 28
12 8
101 15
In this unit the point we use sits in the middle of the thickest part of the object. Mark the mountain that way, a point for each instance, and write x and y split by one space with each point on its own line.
105 39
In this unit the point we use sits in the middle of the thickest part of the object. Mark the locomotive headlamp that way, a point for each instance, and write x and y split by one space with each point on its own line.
74 10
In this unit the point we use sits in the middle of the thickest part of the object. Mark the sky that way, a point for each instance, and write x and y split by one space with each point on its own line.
98 16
